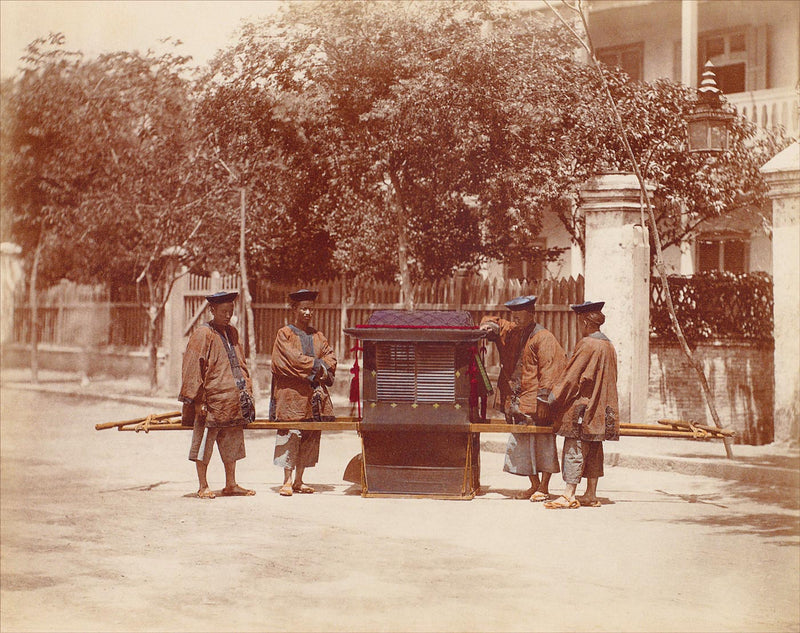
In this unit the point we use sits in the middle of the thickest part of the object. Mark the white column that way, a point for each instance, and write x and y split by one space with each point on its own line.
782 173
618 272
689 43
174 342
575 250
10 275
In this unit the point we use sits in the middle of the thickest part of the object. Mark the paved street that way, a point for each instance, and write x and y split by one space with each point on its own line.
100 532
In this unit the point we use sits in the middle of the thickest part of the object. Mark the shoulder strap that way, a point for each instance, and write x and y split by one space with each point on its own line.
235 368
245 399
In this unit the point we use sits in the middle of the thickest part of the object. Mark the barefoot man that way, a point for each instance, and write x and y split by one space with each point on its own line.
531 360
217 395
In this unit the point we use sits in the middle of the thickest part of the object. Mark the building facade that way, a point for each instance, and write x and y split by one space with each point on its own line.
755 48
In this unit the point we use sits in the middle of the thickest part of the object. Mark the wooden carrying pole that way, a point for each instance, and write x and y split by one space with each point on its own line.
339 424
679 428
119 425
693 425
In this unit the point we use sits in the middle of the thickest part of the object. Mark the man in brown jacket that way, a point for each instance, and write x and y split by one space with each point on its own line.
586 408
303 367
217 395
531 360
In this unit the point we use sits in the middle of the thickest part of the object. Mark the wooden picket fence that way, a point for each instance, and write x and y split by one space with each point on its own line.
74 314
341 304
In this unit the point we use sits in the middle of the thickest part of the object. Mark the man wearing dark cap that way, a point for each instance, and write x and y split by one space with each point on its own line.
531 360
303 367
217 395
586 408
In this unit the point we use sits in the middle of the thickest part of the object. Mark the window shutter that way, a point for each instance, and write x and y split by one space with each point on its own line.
436 381
415 373
756 78
395 372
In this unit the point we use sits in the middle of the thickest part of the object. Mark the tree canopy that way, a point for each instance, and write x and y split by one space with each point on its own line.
375 139
690 188
424 138
45 162
105 172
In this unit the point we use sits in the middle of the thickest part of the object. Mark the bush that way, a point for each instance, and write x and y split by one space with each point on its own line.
714 305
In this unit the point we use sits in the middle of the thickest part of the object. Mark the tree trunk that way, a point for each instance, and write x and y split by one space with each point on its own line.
33 299
153 312
401 222
406 290
247 299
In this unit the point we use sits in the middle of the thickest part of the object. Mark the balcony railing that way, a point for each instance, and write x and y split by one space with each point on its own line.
770 108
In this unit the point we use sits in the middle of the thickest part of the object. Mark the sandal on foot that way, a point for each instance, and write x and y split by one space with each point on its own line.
589 503
303 489
237 491
286 490
563 503
206 494
540 496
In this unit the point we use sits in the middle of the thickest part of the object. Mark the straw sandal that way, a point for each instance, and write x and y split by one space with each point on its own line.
286 490
562 503
589 503
540 496
303 489
206 493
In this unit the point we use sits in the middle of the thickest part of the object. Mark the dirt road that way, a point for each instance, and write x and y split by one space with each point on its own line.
100 532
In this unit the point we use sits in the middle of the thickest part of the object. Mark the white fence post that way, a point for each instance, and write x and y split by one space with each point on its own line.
783 176
174 342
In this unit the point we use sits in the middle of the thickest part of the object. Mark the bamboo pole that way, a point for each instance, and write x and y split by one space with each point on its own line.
165 422
689 425
473 428
657 433
340 424
154 416
502 427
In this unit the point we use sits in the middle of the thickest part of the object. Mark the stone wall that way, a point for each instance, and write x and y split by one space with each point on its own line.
740 376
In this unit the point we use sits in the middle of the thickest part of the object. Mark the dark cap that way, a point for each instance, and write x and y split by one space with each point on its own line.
222 297
303 295
521 303
588 306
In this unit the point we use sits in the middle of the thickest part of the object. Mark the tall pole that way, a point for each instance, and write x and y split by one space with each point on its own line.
247 300
660 267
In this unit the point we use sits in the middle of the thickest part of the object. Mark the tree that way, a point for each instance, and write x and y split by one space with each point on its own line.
624 136
145 212
259 143
421 137
103 153
689 190
46 165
